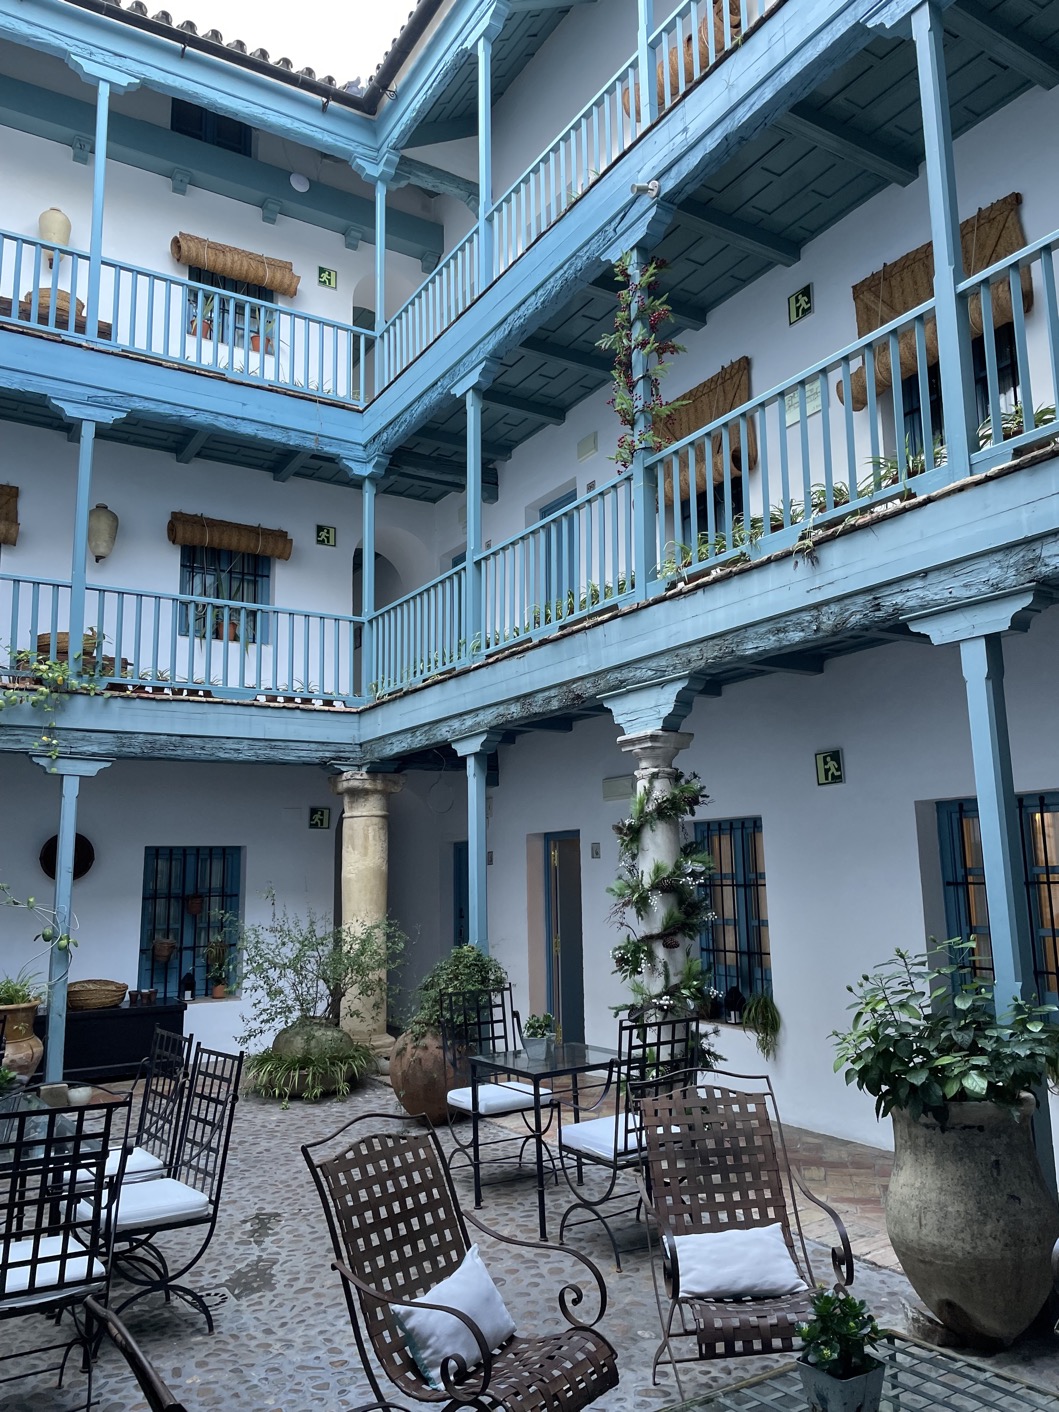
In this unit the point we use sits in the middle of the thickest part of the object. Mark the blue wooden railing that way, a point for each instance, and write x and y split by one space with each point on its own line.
179 321
831 444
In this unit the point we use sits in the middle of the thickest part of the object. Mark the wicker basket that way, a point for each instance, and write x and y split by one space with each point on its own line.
95 995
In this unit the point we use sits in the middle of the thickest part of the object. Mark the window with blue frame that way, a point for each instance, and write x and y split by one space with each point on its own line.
963 879
233 577
190 898
237 307
735 944
1007 383
215 128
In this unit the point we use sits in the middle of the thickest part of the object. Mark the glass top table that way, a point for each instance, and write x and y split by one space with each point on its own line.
918 1379
568 1061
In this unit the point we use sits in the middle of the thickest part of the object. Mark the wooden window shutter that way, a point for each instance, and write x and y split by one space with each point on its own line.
991 234
230 262
201 531
8 514
723 392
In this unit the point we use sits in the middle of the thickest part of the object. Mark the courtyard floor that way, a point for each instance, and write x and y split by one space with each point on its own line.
283 1342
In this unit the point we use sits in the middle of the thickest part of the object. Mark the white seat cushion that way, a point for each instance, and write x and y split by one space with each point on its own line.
602 1137
140 1166
146 1205
509 1097
50 1273
743 1263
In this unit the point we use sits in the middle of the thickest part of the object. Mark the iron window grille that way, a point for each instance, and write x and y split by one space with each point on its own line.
963 881
190 896
232 577
1007 381
234 307
735 944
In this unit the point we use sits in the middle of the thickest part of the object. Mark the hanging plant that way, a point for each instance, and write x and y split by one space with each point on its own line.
761 1018
640 406
44 685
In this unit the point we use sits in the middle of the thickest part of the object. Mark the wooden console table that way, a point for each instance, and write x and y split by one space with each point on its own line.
112 1044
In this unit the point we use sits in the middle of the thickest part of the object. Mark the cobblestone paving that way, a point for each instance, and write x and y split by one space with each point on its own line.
283 1341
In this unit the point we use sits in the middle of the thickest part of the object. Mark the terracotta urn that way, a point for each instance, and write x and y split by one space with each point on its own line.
421 1077
971 1219
23 1048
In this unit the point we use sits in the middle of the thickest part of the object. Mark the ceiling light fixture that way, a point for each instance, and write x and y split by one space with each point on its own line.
299 181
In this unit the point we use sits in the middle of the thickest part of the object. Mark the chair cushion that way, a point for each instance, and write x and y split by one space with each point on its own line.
599 1137
434 1336
746 1263
147 1205
508 1097
50 1273
140 1166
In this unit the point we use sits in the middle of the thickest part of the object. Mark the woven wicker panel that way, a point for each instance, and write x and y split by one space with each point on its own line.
8 514
714 1165
226 534
991 234
684 57
230 262
727 389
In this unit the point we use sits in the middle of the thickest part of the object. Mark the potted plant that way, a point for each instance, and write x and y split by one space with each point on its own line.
418 1071
537 1034
20 998
837 1369
263 335
202 316
308 982
761 1017
967 1212
218 966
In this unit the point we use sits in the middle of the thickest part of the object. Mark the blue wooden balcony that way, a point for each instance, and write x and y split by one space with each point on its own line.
832 447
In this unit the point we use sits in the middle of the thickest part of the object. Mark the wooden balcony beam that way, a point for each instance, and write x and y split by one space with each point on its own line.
755 240
571 357
497 397
883 159
969 21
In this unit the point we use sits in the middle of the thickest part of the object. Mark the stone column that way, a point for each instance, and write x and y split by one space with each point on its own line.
655 751
365 870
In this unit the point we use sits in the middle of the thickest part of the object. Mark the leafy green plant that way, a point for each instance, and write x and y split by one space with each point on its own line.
840 1334
1011 423
308 1076
761 1016
304 967
44 685
7 1078
49 935
641 313
539 1026
925 1036
23 989
464 968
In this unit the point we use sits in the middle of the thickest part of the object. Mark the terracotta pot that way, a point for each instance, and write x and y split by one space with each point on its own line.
971 1220
23 1051
420 1076
163 949
220 990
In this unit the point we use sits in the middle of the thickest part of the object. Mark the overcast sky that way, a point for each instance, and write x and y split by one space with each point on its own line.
345 38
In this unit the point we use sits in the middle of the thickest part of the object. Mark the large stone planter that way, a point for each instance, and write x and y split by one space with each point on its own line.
971 1220
24 1049
316 1040
420 1076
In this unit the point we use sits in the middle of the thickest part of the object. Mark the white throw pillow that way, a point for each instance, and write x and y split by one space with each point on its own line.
748 1263
434 1336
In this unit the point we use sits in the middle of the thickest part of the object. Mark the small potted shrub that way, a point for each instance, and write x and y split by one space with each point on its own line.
836 1365
19 998
538 1034
418 1071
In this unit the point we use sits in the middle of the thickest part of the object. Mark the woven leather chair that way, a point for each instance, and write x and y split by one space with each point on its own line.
397 1231
649 1051
159 1397
716 1160
480 1022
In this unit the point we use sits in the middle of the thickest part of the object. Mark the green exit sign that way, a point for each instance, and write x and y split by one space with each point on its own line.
328 278
327 536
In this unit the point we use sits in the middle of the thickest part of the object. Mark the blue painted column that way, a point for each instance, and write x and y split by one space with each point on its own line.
474 751
367 584
485 161
99 181
472 387
72 772
79 558
380 268
976 627
954 334
644 480
648 104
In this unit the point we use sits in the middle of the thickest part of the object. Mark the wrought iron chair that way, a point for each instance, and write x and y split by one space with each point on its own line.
189 1198
716 1160
165 1077
650 1051
397 1230
481 1022
56 1245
